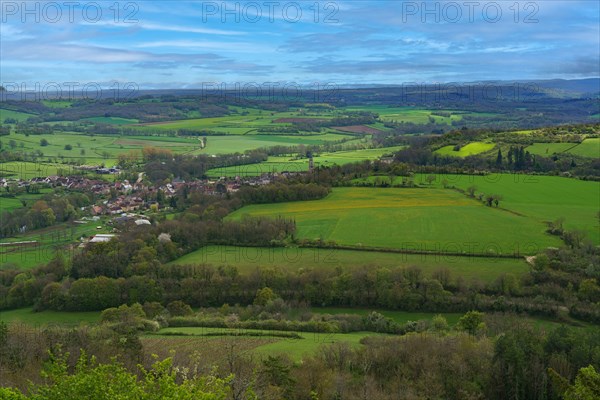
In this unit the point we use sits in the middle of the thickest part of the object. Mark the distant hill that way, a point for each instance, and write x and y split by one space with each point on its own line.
581 86
559 89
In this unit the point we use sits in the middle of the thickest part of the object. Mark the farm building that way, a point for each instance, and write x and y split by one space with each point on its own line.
102 238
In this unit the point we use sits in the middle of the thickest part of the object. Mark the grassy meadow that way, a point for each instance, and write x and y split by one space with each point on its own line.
28 316
548 149
28 170
212 343
467 150
281 163
428 219
249 259
267 343
112 120
98 149
409 114
538 198
241 121
13 203
588 148
19 116
45 243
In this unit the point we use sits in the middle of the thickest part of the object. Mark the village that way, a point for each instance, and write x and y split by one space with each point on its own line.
119 204
123 196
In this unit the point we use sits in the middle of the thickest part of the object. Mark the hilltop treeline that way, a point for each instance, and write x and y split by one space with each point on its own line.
144 109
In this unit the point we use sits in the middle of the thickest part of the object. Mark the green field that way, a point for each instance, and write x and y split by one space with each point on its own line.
587 148
281 164
8 204
28 316
250 259
19 116
239 144
96 149
99 149
198 339
467 150
44 244
547 149
13 203
57 103
408 114
310 343
112 120
524 132
541 198
295 348
28 170
242 121
431 219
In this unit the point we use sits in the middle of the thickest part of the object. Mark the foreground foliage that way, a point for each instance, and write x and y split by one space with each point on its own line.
113 381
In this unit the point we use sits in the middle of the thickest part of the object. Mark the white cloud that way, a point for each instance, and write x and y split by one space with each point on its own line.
242 47
166 27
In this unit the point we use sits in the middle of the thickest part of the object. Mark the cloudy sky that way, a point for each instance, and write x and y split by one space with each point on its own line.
182 44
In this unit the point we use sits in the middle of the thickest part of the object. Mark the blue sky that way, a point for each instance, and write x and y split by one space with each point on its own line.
183 44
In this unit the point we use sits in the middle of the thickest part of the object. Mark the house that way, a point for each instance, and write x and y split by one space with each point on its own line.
97 210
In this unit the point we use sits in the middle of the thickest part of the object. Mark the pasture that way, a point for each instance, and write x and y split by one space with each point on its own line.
189 340
548 149
57 103
19 116
13 203
9 204
28 170
429 219
538 198
43 244
241 122
250 259
467 150
28 316
239 144
408 114
213 343
112 120
588 148
281 164
105 149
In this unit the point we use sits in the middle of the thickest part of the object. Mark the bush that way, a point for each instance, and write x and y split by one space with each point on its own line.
179 309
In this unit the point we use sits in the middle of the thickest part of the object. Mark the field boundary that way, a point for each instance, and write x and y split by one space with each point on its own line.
409 251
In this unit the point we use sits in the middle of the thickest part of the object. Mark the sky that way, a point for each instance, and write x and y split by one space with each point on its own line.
191 44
